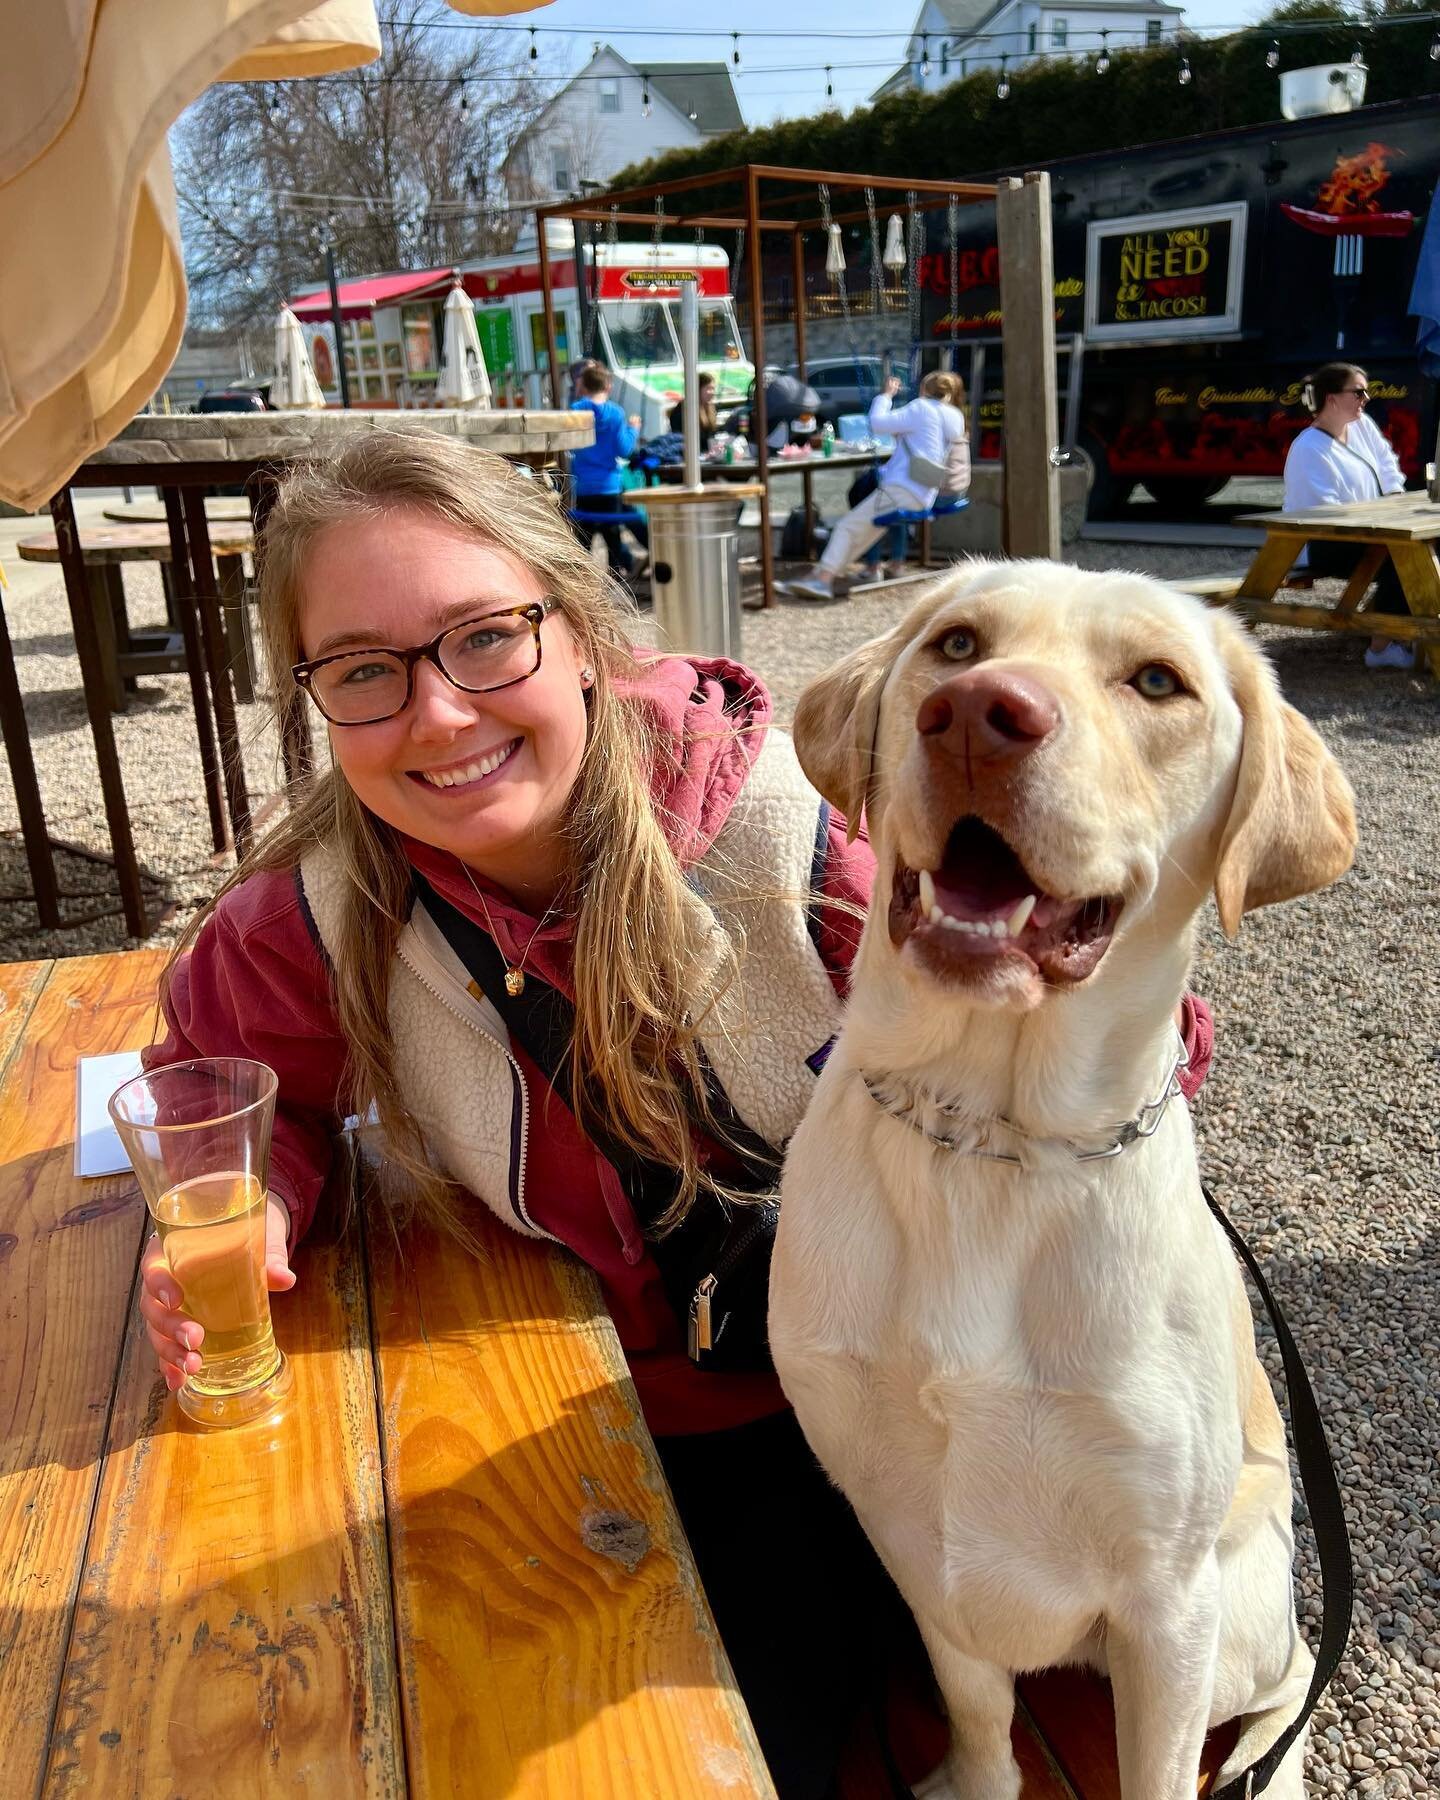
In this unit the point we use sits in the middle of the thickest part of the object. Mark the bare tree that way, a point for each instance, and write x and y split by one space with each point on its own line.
393 166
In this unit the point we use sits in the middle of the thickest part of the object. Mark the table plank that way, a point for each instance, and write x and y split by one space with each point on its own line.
107 544
68 1253
20 985
557 1641
1411 517
235 1611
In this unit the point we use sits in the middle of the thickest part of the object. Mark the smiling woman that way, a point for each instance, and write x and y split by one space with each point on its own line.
571 919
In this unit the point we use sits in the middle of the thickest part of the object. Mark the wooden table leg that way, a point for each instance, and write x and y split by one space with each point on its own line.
202 574
1272 564
1358 585
27 788
296 748
188 618
1419 571
92 677
239 641
102 605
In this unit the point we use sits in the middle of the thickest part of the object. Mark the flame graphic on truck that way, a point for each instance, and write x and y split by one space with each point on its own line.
1348 202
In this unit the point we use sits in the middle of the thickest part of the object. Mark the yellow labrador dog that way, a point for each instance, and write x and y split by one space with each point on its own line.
1010 1327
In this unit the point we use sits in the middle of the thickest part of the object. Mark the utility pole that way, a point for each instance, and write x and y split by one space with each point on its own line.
338 323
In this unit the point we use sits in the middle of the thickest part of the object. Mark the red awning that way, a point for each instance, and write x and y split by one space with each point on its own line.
359 298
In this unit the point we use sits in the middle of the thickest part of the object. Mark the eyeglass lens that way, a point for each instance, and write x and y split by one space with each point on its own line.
481 653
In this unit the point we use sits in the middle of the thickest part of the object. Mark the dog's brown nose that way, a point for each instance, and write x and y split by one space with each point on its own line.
995 712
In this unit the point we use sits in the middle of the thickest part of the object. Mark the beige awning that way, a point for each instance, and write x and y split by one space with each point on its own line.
92 284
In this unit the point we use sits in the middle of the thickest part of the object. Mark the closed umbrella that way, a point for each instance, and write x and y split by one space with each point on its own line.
464 380
294 388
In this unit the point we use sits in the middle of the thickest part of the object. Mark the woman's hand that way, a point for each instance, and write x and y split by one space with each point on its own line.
893 385
174 1336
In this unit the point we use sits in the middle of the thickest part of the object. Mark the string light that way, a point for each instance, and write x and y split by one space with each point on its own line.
644 94
534 52
1002 86
924 54
274 101
1272 55
1102 61
464 96
829 85
1185 71
735 58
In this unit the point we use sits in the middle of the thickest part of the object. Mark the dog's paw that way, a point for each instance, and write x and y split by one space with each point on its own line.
954 1781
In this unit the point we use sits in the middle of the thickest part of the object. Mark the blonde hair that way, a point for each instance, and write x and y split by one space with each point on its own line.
635 1056
940 384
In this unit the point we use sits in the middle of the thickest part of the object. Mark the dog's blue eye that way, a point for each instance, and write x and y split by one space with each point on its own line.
1156 682
958 645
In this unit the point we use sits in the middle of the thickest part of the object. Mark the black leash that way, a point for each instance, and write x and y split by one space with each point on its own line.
1327 1519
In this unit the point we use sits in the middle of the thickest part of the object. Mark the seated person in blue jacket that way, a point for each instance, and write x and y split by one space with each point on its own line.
595 470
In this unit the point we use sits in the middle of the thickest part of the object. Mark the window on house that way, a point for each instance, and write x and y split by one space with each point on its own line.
610 96
1059 33
1030 43
560 171
1152 31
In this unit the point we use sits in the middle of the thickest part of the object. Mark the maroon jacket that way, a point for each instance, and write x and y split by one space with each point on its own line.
256 984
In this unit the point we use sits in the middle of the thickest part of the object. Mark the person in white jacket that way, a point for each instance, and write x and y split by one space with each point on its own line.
932 427
1342 457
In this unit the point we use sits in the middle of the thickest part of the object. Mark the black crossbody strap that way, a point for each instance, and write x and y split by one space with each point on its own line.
1327 1517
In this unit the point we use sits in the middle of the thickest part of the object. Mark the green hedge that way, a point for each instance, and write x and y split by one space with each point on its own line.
1060 109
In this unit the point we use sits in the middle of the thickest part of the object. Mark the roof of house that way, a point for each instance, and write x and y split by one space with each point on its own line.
965 17
702 88
898 81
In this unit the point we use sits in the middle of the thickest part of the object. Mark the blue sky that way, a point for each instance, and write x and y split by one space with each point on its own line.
794 83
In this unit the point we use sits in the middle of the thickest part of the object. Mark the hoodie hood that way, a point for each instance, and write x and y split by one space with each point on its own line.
708 718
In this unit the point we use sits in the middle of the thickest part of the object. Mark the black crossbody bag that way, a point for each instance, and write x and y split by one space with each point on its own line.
714 1265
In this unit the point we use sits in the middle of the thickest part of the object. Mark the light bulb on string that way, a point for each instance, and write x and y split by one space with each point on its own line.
735 56
645 96
534 52
464 97
1272 55
1185 75
924 54
1102 61
274 99
829 84
1002 86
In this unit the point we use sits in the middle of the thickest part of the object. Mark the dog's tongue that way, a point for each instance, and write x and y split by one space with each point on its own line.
982 878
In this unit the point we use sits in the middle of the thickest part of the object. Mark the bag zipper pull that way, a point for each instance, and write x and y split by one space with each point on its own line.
700 1317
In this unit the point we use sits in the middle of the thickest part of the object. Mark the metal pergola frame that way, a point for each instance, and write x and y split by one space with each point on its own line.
752 215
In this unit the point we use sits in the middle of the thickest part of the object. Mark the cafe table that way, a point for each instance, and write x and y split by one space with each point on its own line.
449 1568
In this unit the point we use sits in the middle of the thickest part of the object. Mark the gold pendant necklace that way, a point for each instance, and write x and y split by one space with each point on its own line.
514 972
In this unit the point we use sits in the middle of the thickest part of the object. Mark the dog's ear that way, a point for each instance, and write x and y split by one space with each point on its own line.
835 724
1291 828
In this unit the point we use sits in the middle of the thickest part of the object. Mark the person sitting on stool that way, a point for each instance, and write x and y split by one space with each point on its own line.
1342 457
929 427
595 470
708 421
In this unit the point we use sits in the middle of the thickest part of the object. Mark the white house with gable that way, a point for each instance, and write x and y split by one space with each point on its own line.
614 113
954 38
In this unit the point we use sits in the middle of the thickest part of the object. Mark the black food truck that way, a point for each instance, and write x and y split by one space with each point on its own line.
1207 276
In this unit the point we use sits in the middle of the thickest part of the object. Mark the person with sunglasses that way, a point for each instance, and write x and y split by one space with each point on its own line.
1341 457
631 832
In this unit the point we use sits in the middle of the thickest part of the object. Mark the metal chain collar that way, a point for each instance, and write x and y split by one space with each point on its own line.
973 1135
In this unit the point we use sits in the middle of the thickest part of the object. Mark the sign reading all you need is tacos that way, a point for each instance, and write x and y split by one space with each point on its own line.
1156 276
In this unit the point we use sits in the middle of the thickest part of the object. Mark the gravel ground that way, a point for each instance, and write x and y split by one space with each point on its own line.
1318 1125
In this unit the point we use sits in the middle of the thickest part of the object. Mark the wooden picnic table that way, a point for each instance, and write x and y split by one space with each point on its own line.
126 654
1405 527
451 1569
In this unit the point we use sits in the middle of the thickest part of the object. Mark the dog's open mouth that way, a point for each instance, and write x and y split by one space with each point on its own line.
981 904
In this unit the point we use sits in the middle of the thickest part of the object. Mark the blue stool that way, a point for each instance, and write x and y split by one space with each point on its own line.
898 524
629 517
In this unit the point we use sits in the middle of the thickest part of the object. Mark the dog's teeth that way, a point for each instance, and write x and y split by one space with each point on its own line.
1020 918
927 894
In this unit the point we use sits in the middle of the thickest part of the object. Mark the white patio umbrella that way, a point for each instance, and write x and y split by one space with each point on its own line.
92 281
464 379
294 388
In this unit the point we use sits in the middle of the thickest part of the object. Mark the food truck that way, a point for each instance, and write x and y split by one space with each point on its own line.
393 331
1206 276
